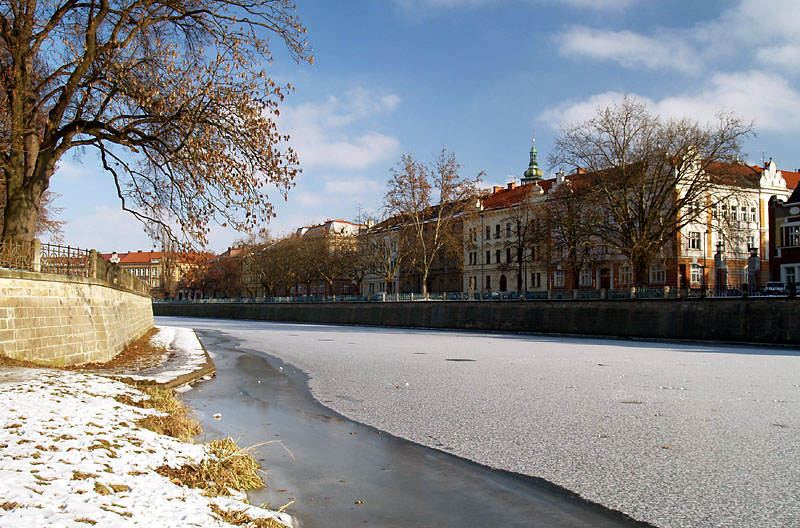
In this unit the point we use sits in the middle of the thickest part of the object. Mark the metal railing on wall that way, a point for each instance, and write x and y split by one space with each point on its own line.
64 260
17 255
55 259
640 293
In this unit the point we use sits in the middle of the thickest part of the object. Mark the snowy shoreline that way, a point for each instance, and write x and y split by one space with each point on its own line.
73 455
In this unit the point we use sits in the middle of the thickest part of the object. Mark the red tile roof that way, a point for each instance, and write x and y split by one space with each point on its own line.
792 178
140 257
506 197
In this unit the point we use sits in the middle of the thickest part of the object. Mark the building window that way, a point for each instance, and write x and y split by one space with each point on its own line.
751 242
734 208
790 275
536 280
488 233
658 274
488 282
508 255
497 256
346 288
791 236
696 274
488 257
558 278
752 214
626 275
508 230
585 277
473 283
744 213
694 240
497 231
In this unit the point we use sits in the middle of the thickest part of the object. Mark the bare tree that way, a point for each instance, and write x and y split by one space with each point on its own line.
222 277
524 233
328 256
171 260
381 246
170 93
648 173
429 202
571 215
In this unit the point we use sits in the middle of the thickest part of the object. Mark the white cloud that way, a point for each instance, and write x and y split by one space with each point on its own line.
748 32
73 172
579 111
765 98
354 186
104 228
786 58
629 49
323 133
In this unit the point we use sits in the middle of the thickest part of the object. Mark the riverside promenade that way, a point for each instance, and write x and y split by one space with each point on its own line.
676 435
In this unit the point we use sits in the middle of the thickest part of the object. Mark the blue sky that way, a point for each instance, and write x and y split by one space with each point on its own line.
480 77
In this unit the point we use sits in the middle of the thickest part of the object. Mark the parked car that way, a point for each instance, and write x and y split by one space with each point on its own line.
775 288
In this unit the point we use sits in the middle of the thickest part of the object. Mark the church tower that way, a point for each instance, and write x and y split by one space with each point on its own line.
534 173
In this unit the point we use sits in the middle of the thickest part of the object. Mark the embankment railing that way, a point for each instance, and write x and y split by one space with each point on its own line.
55 259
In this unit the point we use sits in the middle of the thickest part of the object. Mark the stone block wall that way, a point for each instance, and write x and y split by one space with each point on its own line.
748 320
62 320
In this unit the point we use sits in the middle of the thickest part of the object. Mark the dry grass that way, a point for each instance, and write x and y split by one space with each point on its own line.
240 518
101 489
175 423
228 467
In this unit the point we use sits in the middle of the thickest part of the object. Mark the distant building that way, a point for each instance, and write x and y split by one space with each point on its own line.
784 250
162 271
344 233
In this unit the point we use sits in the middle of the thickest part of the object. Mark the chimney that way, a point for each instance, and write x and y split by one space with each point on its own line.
496 189
511 185
560 177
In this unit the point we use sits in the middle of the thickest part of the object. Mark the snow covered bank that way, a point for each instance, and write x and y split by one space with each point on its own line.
73 456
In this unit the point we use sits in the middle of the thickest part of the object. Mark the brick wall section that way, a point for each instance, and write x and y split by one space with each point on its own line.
751 320
60 320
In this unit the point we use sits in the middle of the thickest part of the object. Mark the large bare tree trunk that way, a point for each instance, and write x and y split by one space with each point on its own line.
22 209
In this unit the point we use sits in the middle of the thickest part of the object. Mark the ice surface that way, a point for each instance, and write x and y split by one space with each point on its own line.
678 435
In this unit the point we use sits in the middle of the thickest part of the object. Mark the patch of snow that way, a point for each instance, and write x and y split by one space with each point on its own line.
72 452
185 355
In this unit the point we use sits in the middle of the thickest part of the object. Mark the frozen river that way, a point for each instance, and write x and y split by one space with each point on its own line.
674 435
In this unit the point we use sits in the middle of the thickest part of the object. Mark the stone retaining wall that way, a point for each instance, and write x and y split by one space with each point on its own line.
749 320
62 320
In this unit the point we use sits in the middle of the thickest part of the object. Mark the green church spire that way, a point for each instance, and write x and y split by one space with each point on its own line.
534 173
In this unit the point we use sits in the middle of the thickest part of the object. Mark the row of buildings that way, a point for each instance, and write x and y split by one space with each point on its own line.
746 237
744 240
